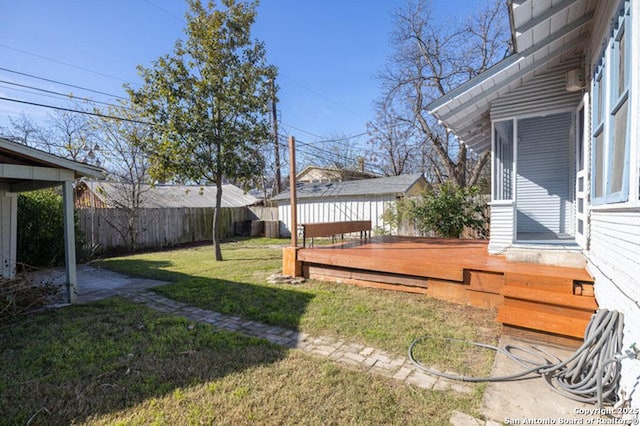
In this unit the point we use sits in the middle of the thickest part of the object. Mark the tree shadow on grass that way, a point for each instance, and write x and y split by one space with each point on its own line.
89 361
280 304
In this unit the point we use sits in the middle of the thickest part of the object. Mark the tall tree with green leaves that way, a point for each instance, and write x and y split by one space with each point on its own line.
209 100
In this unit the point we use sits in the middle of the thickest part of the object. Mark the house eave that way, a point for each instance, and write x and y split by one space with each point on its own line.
464 111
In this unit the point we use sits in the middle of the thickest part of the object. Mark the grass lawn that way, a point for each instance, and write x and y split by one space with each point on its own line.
114 362
382 319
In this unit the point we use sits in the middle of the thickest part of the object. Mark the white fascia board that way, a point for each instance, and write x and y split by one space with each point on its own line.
509 64
548 14
45 157
14 171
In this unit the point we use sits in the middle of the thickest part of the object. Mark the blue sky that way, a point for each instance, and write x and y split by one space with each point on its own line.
328 53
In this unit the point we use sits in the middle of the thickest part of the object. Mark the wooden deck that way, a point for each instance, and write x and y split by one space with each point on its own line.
550 299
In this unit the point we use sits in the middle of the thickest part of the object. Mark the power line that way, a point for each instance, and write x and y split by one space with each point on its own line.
323 96
301 130
318 136
332 154
342 139
60 94
63 84
30 92
164 10
64 63
95 114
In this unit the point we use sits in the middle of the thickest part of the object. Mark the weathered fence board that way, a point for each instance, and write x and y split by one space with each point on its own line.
263 213
108 229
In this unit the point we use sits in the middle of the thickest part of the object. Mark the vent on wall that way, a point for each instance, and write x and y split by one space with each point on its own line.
575 80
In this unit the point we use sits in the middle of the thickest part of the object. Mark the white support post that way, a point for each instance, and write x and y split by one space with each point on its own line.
8 225
69 242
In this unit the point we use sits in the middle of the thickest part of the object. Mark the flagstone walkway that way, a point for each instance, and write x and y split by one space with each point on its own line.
355 355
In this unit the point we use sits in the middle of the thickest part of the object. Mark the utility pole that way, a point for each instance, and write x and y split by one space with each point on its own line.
275 136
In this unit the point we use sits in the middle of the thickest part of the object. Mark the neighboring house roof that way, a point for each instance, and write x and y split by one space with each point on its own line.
394 185
160 196
20 163
544 36
326 174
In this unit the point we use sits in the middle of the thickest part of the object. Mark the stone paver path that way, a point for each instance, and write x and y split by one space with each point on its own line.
354 355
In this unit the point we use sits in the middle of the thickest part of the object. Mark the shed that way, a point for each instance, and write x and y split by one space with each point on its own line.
25 169
364 199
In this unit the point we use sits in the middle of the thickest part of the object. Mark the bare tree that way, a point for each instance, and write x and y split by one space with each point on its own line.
71 135
396 146
25 131
340 152
128 167
64 133
431 58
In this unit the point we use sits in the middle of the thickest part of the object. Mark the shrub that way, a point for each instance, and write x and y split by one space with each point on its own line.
445 211
40 234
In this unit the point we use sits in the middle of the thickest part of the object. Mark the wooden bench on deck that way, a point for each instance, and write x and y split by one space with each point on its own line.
331 229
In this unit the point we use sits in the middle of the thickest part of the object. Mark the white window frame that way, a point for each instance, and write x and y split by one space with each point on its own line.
606 102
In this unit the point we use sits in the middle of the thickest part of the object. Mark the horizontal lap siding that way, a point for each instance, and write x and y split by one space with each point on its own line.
501 230
614 261
337 210
540 95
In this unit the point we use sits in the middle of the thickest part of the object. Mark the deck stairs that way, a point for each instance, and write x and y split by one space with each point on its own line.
555 299
559 305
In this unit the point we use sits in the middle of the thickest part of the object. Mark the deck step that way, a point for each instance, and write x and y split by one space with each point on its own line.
562 323
537 282
545 303
571 301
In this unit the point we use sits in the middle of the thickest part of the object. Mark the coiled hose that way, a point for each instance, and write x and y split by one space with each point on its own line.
590 375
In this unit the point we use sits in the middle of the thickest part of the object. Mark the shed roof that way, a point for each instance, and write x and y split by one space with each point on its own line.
546 33
175 195
394 185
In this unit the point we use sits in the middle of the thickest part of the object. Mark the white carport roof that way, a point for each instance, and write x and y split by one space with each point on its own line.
25 168
545 33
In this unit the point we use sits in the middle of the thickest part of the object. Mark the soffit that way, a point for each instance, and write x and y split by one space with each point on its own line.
546 33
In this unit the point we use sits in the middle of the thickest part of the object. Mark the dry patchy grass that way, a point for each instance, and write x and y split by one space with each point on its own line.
382 319
115 362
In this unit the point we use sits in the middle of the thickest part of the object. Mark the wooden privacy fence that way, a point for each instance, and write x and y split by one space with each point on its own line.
108 230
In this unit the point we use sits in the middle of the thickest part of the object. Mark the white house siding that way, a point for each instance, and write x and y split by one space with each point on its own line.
501 226
614 231
8 226
614 261
541 95
335 210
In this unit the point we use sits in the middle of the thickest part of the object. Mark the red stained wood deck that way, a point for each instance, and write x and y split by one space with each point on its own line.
530 296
